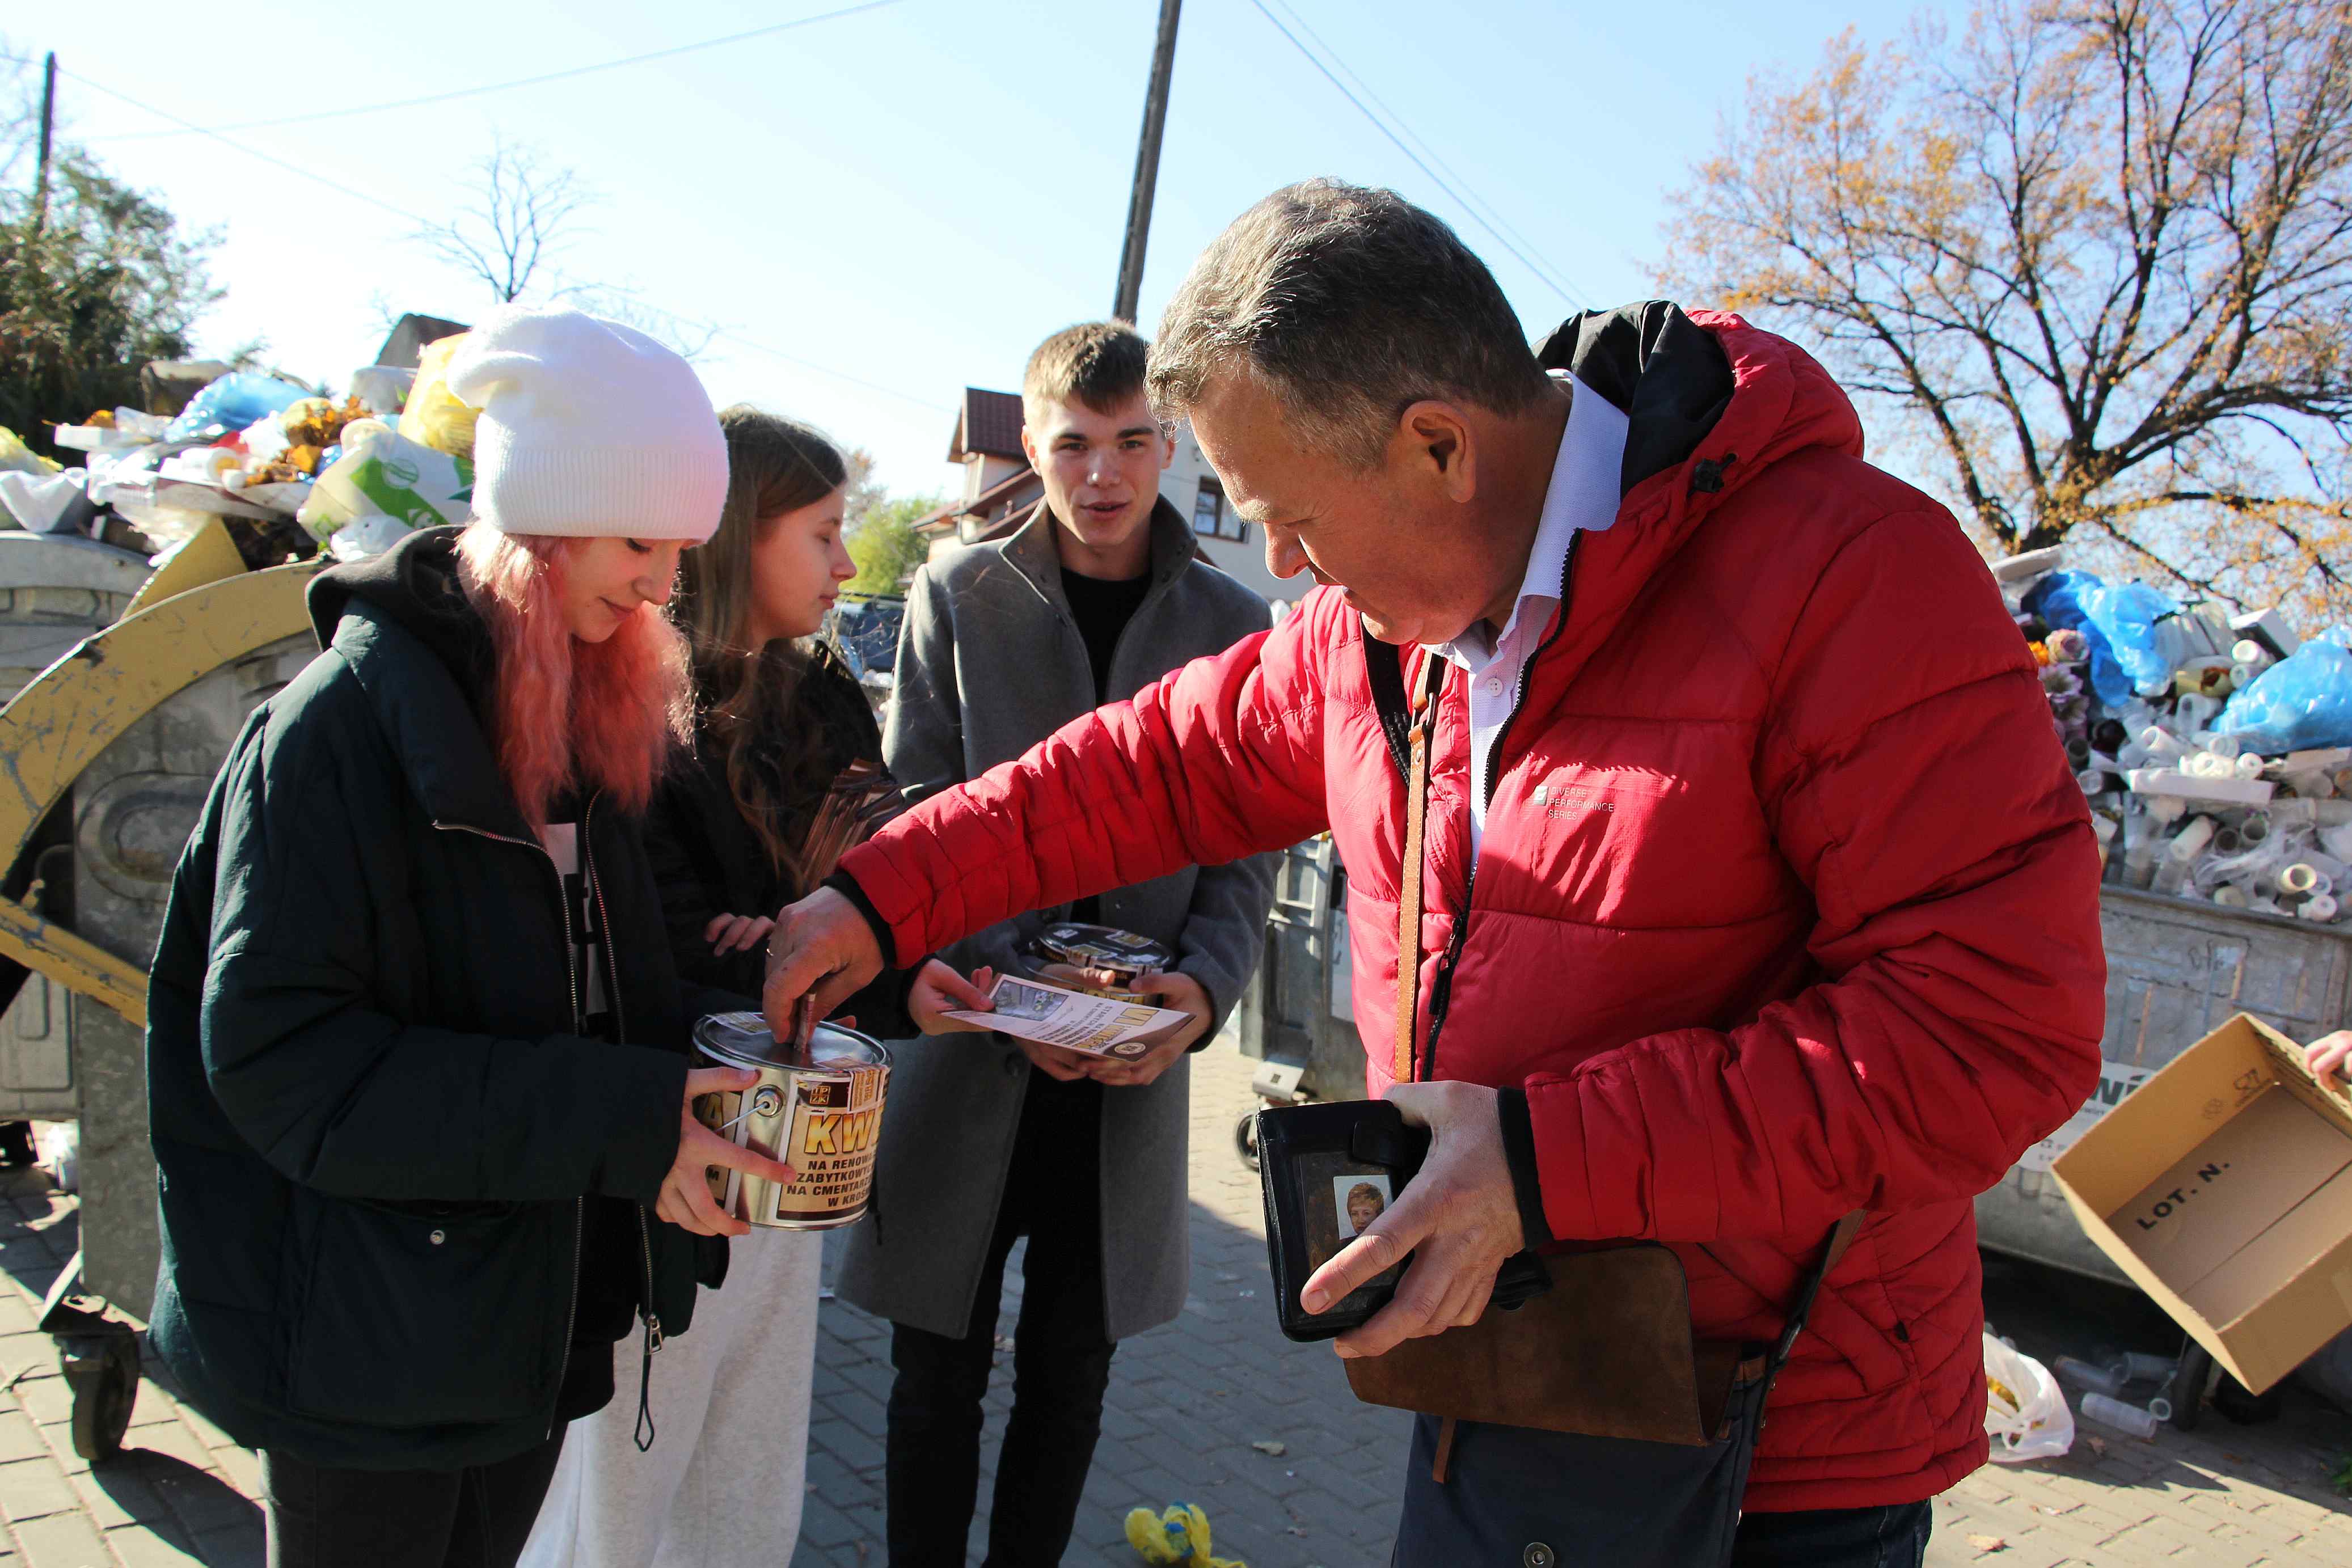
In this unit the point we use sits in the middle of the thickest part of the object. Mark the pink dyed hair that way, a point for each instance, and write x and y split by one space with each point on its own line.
603 716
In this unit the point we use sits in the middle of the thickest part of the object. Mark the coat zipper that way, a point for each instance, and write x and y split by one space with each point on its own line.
1442 990
654 1338
572 1000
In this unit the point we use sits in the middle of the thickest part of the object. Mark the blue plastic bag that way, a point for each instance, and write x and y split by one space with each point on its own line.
2303 703
2118 620
231 404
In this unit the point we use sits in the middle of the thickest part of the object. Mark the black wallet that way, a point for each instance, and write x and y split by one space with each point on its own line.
1327 1171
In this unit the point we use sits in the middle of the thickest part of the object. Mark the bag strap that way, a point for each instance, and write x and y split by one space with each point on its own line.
1416 810
1841 1234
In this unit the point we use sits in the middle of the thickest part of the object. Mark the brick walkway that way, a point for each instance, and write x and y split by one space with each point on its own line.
1188 1403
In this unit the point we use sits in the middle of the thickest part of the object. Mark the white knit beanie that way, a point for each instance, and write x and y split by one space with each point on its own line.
588 428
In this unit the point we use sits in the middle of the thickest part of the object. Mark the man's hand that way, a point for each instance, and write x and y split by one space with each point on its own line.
1185 995
938 988
1460 1218
821 945
686 1199
2331 1055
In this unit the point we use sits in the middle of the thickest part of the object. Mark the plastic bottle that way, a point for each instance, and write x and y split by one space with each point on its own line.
2319 907
2246 651
2162 745
2123 1417
2225 747
2098 1380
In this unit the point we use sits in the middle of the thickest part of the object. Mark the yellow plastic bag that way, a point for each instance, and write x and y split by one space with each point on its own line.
16 457
435 416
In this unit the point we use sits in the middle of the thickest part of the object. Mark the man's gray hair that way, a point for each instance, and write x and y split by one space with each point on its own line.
1350 304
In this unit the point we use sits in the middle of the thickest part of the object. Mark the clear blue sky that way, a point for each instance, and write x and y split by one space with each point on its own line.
911 196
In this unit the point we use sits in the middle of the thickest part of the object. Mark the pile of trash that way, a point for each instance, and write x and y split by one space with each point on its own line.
293 469
2216 750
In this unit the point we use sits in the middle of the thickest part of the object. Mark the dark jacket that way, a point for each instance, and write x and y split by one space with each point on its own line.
377 1134
708 860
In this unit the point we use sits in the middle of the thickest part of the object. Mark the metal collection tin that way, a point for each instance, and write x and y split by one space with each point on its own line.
818 1110
1104 947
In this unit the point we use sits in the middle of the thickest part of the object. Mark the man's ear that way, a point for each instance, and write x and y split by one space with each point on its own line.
1029 448
1438 447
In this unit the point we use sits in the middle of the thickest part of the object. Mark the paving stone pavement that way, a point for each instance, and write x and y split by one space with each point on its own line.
1187 1403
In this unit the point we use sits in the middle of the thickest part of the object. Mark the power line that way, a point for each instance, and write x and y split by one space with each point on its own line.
455 94
1542 274
345 188
1550 274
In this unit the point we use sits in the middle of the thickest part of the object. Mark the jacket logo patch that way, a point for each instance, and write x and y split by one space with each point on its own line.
1562 800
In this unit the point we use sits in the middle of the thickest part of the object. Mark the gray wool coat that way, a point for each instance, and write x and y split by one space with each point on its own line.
990 664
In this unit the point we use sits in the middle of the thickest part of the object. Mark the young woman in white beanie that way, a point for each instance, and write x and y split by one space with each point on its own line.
781 727
417 1048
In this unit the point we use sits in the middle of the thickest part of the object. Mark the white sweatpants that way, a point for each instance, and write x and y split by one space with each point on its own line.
721 1486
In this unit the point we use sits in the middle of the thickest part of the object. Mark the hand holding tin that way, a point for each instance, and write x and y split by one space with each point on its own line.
686 1199
823 947
1459 1220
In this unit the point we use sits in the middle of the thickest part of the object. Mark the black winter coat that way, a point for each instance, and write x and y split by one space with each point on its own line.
376 1129
708 860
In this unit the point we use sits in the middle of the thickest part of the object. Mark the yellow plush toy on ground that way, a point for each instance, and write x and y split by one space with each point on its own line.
1176 1539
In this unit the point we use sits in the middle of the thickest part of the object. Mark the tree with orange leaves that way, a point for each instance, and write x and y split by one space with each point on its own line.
2095 255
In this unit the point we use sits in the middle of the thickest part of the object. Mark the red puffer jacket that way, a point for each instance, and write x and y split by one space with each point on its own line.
1788 906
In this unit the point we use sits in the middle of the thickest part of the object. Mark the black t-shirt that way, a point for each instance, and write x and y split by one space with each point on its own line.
1102 608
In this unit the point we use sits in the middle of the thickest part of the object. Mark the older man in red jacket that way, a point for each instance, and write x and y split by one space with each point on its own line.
1756 888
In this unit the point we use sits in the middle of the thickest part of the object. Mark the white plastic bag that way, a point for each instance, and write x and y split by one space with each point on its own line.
2025 1413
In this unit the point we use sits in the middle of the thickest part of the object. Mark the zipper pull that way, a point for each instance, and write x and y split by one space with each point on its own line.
644 1432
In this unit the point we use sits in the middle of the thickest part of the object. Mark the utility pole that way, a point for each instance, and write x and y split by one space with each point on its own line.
48 122
1147 165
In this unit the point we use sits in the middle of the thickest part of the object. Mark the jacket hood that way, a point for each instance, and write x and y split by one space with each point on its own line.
414 585
427 665
1711 405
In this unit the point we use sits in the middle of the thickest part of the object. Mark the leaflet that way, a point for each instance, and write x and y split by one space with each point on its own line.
1031 1010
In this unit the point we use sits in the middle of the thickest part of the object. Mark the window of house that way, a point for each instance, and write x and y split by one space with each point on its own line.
1211 516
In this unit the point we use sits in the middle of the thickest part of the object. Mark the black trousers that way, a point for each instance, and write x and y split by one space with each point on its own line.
478 1518
1061 1361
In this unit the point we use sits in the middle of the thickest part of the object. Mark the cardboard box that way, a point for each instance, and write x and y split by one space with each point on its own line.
2223 1187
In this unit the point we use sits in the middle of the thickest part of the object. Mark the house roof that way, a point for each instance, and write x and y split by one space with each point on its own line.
1013 494
988 424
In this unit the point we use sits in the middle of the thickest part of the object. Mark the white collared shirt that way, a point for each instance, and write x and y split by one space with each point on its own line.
1582 494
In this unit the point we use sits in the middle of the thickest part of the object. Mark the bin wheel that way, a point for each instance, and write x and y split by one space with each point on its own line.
1245 1139
104 1373
2187 1389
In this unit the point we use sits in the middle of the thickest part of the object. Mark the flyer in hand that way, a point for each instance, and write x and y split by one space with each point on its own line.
1049 1015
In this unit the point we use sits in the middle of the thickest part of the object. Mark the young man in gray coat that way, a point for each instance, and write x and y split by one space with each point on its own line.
986 1140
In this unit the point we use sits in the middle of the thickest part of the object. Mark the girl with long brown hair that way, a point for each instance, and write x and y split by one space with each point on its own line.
783 755
417 1048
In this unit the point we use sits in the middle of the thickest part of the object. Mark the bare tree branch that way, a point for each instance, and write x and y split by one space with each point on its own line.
2097 253
523 216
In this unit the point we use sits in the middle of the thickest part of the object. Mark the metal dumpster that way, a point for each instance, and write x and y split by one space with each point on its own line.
109 752
2176 970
